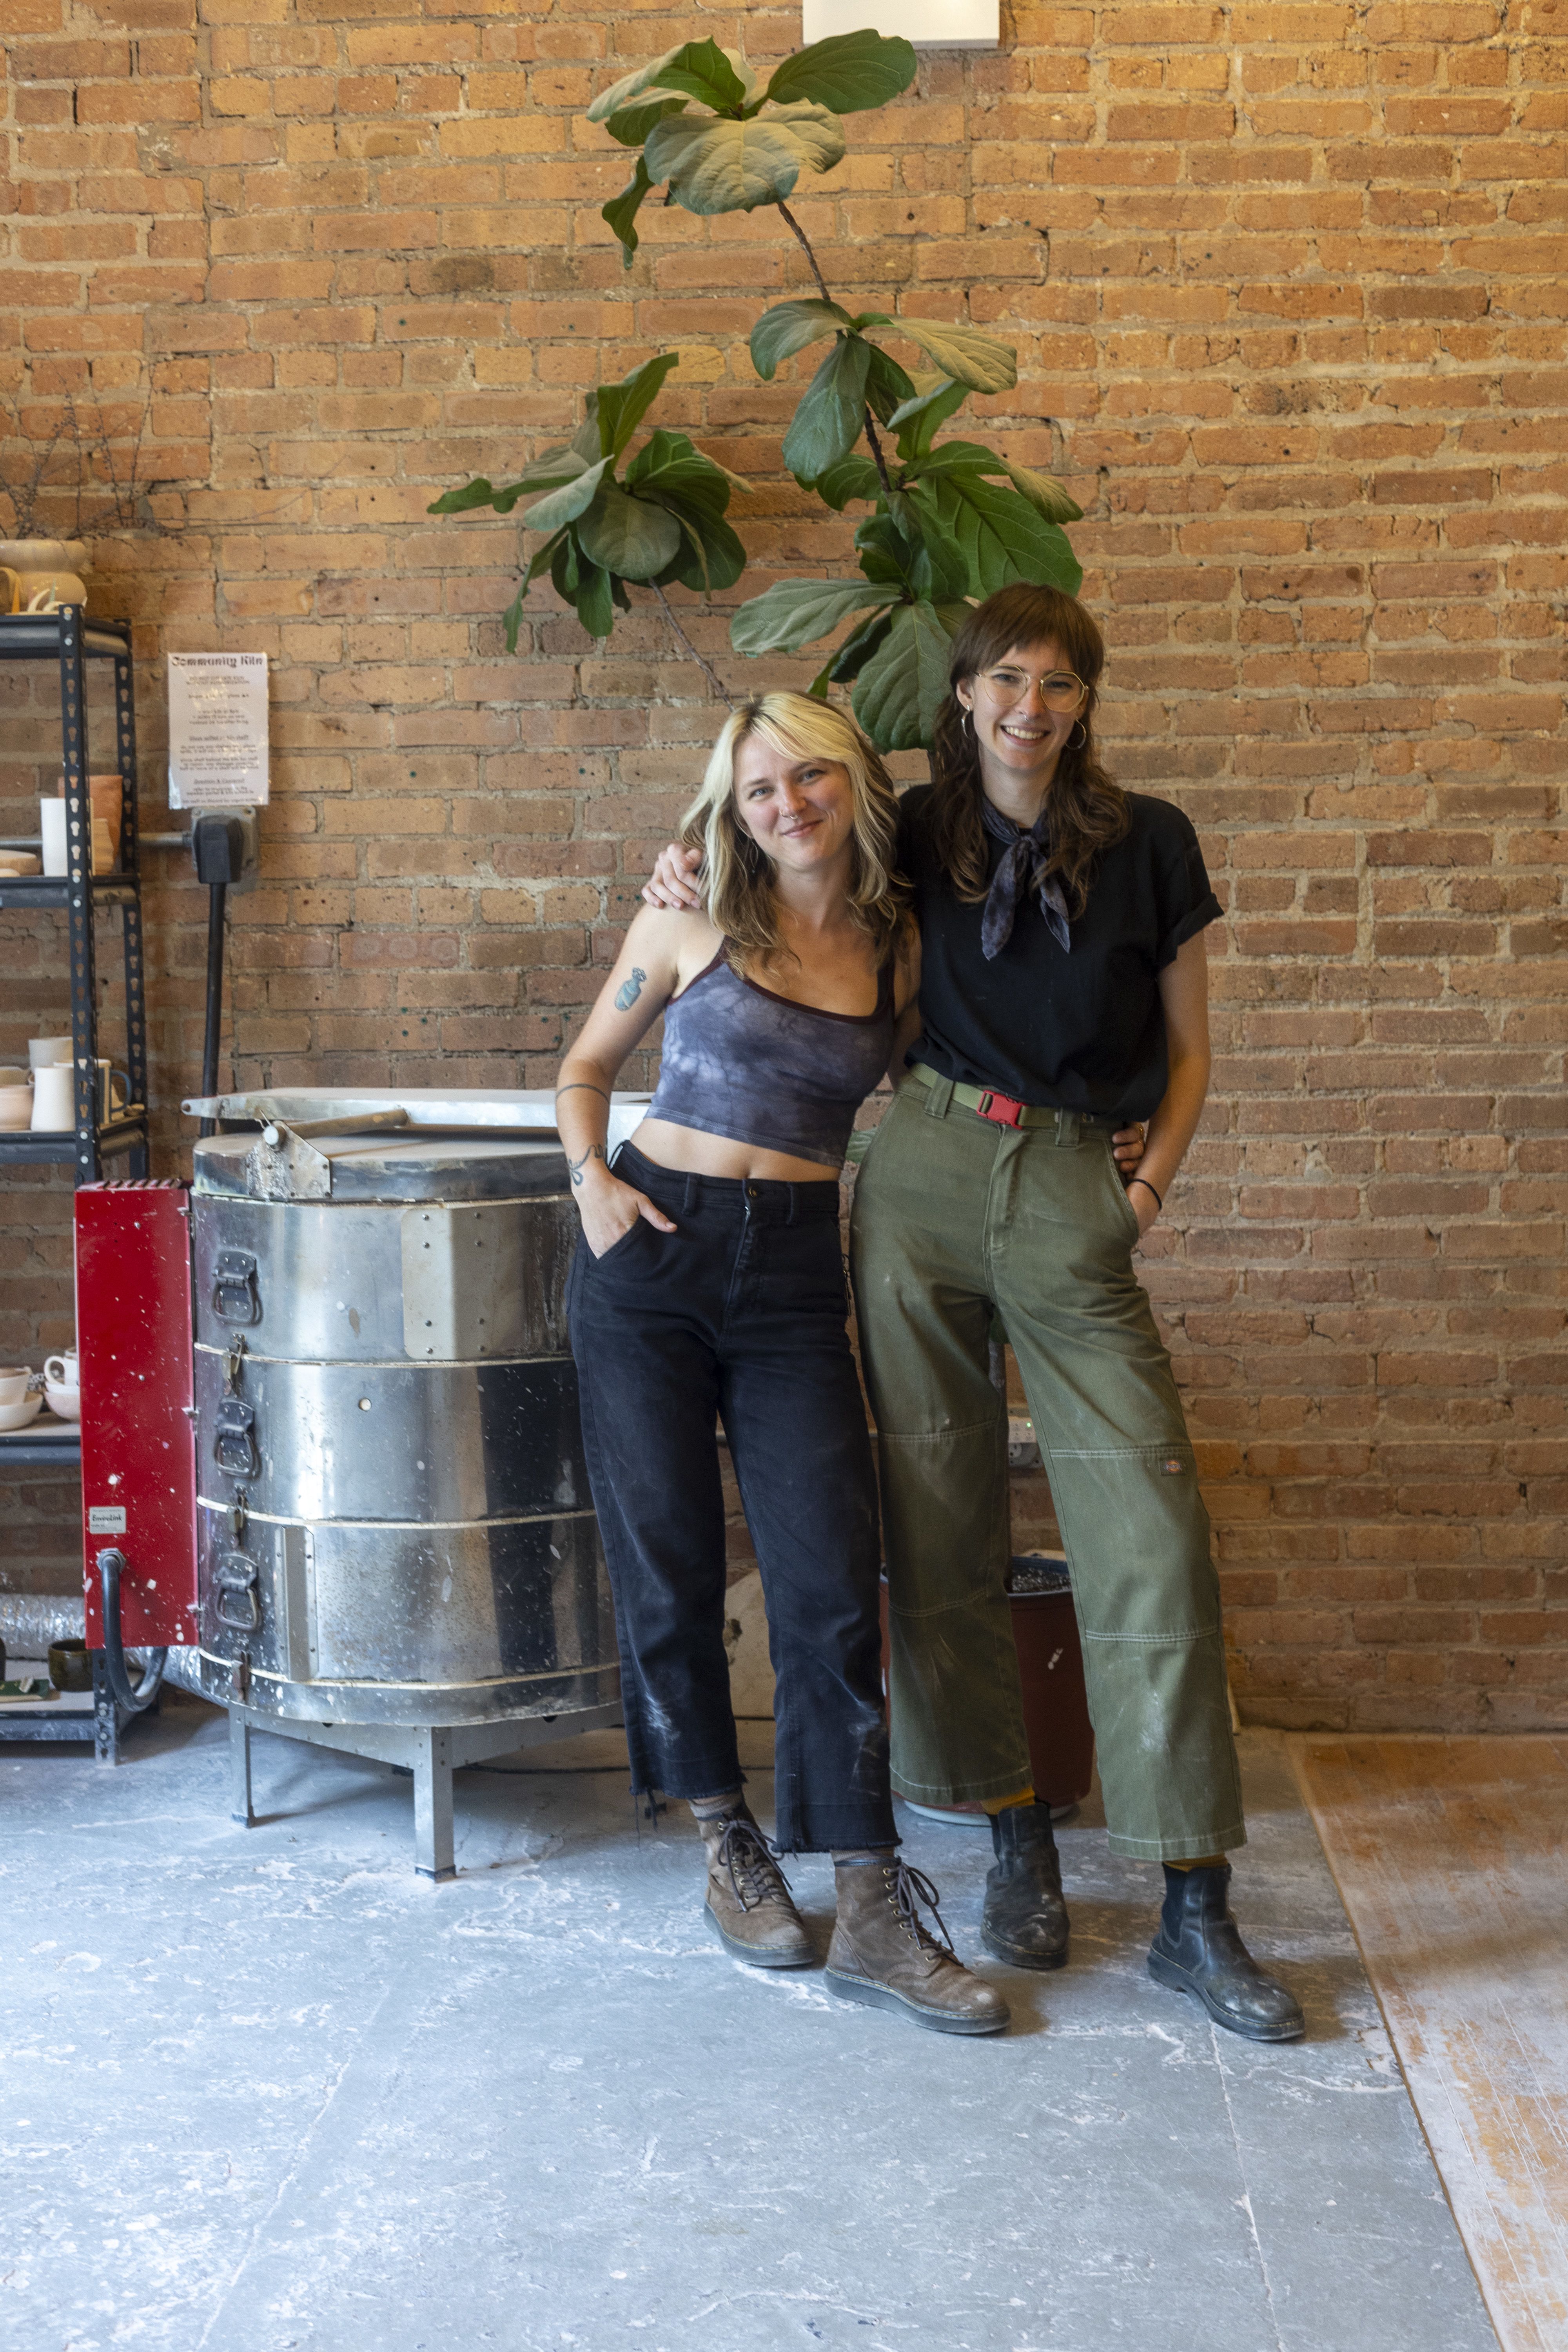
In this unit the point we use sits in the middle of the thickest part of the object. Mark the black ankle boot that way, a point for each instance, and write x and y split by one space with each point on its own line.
1199 1950
1024 1919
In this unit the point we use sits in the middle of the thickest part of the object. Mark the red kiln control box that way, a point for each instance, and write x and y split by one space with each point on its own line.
134 1341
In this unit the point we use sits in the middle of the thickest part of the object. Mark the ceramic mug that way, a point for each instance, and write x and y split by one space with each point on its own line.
54 1100
16 1384
52 826
62 1372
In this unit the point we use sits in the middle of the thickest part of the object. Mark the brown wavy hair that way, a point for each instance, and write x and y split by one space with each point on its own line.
740 873
1088 809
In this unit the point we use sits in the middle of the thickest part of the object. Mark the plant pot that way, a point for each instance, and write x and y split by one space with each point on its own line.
1050 1668
46 572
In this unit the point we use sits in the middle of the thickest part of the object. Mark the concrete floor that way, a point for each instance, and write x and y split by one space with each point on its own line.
266 2090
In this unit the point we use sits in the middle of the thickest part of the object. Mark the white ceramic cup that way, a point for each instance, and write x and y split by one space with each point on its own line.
15 1380
52 826
62 1370
54 1100
44 1051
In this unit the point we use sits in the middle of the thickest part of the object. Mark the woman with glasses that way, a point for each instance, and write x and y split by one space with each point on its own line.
1063 995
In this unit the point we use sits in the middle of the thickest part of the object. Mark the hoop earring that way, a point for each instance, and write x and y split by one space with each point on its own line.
1081 732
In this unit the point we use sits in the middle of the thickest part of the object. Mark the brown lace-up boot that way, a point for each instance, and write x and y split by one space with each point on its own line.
748 1907
882 1955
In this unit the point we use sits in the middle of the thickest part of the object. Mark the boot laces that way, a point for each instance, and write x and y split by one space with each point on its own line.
909 1890
755 1875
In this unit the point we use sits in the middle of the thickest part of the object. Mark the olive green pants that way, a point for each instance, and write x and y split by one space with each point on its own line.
954 1215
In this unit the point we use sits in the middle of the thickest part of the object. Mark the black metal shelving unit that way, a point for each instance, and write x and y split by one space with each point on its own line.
69 640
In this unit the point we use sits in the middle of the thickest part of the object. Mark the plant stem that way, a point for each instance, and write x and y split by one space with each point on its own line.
877 453
881 462
713 678
791 222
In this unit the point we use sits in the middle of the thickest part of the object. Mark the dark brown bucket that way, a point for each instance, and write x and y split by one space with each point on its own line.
1050 1667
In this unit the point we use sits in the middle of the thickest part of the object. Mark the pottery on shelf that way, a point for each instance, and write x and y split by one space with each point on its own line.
22 1416
46 572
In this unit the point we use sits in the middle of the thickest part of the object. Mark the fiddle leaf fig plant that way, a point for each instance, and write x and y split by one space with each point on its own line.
950 520
662 520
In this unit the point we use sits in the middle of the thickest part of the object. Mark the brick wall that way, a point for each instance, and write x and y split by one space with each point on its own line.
1287 283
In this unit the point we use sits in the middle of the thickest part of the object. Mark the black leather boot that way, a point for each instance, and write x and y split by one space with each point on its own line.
1024 1919
1199 1950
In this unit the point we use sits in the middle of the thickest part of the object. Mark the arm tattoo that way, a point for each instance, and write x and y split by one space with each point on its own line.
629 992
581 1086
575 1167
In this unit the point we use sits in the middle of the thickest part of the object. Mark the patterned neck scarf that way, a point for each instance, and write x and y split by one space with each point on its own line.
1023 868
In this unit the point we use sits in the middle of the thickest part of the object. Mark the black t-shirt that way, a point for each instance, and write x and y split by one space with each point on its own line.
1079 1031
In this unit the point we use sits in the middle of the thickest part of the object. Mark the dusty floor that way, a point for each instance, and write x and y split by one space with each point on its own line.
267 2090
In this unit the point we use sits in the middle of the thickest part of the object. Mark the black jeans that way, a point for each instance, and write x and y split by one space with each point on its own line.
739 1312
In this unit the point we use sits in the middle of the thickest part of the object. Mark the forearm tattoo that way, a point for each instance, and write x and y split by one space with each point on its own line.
575 1167
630 990
581 1086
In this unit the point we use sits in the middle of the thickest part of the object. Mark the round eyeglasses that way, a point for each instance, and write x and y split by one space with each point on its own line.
1059 689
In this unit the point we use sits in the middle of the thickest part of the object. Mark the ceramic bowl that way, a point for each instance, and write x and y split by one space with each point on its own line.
19 1416
65 1403
16 1107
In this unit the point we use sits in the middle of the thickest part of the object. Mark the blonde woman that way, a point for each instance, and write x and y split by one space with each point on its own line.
709 1285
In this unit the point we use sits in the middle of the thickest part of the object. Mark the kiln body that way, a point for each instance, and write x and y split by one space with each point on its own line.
394 1521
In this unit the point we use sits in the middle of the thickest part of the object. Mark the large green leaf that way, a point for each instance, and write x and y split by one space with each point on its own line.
826 425
1003 537
701 70
853 478
621 212
667 463
942 571
848 73
901 688
627 535
729 167
621 407
633 123
711 557
851 654
543 561
793 613
1045 493
566 505
887 385
477 493
935 398
983 362
652 76
595 604
788 328
887 552
820 134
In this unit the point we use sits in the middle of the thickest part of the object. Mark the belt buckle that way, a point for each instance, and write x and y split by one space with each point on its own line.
1000 1109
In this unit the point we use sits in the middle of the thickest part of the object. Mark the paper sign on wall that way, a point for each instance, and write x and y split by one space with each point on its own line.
929 24
217 730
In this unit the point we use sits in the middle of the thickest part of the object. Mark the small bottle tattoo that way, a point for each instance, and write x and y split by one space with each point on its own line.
629 990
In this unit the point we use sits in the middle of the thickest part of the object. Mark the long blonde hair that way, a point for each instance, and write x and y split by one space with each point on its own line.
739 871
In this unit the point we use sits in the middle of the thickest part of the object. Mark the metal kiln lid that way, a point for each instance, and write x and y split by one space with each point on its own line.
419 1167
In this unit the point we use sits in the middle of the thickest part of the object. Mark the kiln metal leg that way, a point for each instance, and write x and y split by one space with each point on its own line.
430 1753
432 1756
239 1804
